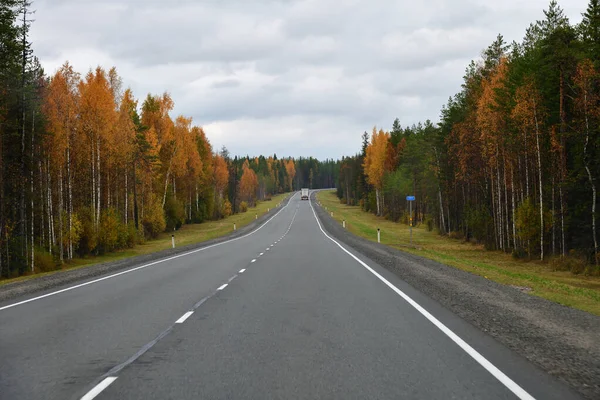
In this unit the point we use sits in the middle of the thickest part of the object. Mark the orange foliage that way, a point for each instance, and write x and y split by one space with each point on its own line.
248 184
290 168
375 159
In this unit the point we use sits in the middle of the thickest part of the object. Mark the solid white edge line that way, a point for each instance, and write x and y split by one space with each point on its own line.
99 388
491 368
242 270
222 286
141 266
185 316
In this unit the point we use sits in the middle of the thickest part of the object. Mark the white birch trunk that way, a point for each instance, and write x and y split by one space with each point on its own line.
70 205
126 199
591 180
98 180
539 160
60 212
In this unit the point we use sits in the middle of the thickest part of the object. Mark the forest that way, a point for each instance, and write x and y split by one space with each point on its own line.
86 168
514 161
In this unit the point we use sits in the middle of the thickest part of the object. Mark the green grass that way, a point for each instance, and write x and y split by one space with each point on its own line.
188 234
577 291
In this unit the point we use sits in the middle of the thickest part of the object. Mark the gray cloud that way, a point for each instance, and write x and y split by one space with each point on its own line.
297 77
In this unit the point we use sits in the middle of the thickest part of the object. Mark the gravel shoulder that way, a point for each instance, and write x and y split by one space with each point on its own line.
562 341
42 283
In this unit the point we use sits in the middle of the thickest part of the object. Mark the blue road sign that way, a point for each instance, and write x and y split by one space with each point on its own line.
410 198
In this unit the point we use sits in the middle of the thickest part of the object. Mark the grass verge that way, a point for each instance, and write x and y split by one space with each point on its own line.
577 291
188 234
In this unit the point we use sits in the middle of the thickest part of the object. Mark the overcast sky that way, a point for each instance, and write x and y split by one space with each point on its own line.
297 78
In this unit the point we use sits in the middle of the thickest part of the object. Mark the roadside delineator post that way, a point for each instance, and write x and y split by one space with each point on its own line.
344 223
332 213
173 240
378 236
410 199
234 227
255 216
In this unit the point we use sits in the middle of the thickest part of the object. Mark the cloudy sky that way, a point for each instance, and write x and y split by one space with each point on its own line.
291 77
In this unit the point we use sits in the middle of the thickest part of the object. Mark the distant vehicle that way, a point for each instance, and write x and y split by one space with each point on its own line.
304 194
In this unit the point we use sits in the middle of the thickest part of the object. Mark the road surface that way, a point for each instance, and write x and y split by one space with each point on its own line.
285 312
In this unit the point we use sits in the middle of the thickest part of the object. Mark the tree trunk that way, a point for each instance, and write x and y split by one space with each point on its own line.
166 186
514 225
539 160
22 221
60 213
506 215
526 169
562 169
562 221
51 233
93 162
70 205
553 220
442 220
98 181
590 179
126 203
42 206
31 179
135 202
500 212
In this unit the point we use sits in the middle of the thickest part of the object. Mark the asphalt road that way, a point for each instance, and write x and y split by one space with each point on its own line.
283 313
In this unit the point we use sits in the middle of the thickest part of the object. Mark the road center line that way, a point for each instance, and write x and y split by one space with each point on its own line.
253 260
242 270
185 316
223 286
491 368
99 388
145 265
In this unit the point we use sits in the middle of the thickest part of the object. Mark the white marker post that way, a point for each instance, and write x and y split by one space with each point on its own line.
332 213
234 227
344 223
410 199
173 240
255 216
378 236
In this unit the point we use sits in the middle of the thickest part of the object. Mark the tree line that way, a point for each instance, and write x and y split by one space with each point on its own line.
514 161
86 168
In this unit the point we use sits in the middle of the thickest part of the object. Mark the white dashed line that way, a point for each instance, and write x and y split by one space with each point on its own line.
99 388
141 266
253 260
184 317
261 254
242 270
268 248
222 286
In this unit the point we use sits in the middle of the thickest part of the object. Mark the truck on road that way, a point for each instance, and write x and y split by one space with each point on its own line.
304 194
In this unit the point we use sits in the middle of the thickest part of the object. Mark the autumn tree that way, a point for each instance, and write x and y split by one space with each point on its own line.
61 108
374 163
248 184
290 169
